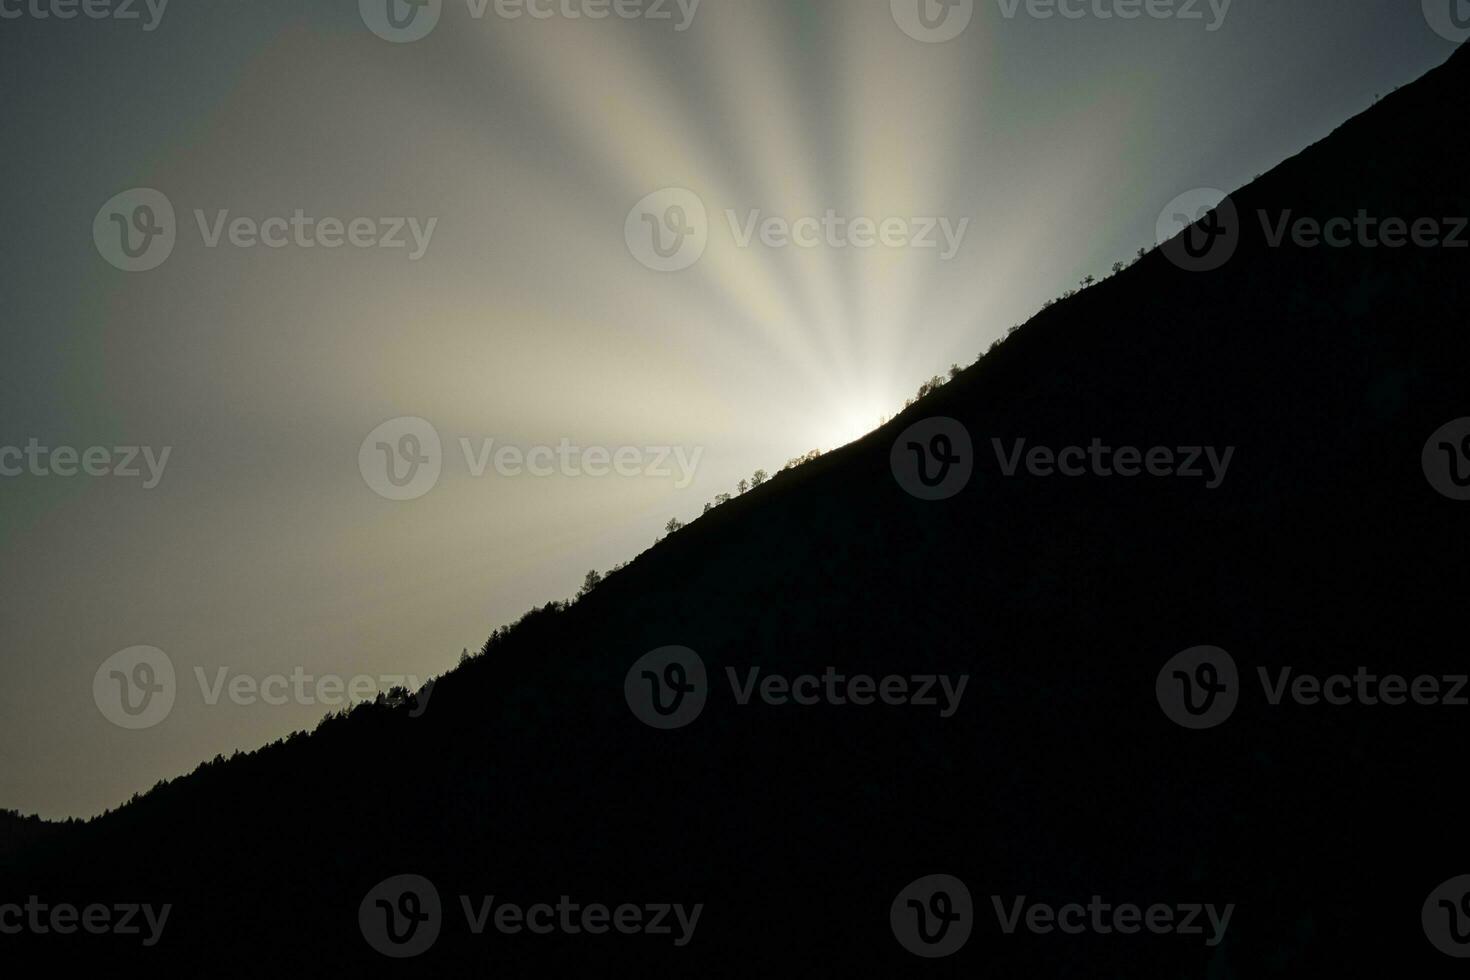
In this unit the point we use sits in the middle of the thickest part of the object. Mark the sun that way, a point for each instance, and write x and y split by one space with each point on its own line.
851 421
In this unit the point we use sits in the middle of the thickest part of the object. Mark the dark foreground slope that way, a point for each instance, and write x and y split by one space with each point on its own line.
1059 777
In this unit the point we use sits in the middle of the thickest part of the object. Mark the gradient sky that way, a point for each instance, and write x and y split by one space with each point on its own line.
528 320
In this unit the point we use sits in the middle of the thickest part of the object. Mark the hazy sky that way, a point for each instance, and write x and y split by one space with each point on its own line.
1038 150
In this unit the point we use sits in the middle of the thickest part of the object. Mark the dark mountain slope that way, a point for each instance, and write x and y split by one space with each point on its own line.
1058 778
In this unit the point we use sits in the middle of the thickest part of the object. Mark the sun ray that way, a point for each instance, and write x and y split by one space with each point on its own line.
611 105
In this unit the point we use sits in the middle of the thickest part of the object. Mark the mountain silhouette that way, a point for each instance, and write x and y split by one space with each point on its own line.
1058 776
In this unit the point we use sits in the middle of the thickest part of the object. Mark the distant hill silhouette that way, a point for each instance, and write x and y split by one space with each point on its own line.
1059 777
